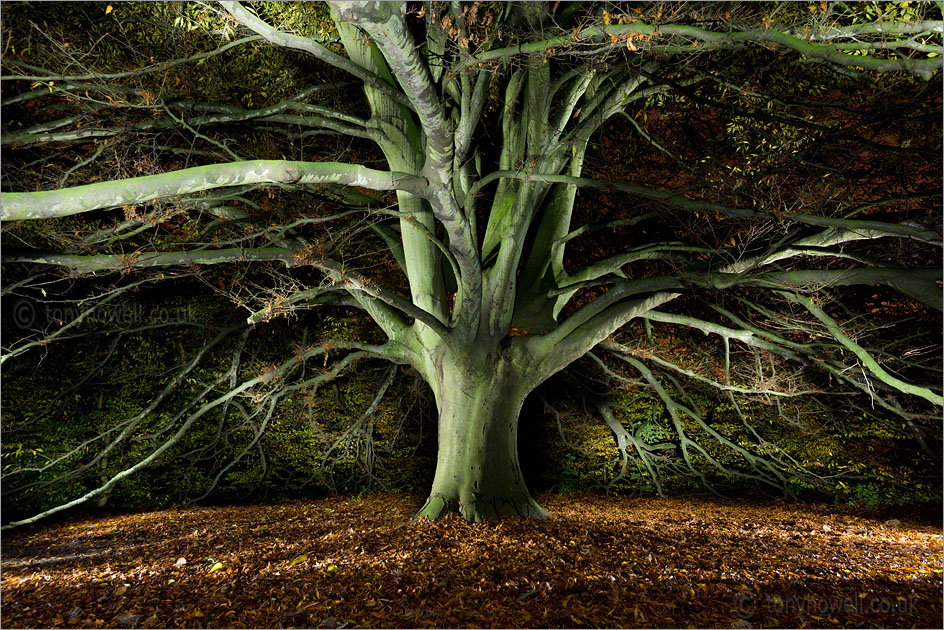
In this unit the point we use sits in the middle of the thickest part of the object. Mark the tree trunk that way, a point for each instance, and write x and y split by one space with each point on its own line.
477 469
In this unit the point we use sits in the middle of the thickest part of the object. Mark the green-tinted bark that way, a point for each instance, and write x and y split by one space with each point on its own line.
479 396
111 194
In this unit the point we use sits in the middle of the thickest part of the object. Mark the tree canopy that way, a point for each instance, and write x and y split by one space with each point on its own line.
510 193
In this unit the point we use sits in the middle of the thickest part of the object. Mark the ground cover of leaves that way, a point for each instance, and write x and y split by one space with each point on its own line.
599 562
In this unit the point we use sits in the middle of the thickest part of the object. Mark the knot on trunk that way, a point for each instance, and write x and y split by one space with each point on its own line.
290 176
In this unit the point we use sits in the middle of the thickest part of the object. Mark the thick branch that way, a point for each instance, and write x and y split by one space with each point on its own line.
678 200
871 364
699 37
111 194
385 24
312 47
107 262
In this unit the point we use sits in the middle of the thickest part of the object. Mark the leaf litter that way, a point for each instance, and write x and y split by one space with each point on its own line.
599 562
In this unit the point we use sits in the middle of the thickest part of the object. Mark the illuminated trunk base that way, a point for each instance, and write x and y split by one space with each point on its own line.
477 469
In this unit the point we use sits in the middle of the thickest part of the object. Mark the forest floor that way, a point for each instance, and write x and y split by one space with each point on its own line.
599 562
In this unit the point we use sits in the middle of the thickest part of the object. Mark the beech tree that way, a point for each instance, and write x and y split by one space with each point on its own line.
482 143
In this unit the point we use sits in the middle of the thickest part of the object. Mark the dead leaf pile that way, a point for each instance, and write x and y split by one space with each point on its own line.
599 562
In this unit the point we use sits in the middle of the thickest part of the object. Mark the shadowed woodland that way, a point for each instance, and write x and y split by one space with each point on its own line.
664 279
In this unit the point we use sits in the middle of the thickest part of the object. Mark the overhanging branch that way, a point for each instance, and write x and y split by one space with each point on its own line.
111 194
110 262
696 38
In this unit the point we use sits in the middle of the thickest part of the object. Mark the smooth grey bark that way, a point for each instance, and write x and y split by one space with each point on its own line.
111 194
105 262
479 398
479 390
